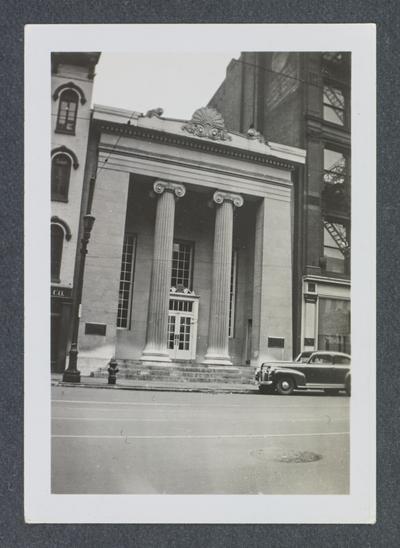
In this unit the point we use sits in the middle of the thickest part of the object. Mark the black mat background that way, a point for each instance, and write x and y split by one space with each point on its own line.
13 16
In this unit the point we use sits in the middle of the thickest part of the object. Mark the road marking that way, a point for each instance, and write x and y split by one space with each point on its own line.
89 402
191 420
101 419
198 437
206 405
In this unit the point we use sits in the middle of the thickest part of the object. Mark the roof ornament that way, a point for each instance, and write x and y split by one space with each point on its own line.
207 122
154 112
255 135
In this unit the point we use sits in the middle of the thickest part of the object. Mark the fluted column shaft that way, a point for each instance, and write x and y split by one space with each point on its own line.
218 327
157 320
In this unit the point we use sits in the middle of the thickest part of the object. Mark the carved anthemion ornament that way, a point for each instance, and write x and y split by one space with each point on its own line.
207 122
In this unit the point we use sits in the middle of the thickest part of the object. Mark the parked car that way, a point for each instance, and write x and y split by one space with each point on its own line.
325 370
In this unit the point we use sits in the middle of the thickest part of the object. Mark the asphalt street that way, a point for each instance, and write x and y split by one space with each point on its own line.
144 442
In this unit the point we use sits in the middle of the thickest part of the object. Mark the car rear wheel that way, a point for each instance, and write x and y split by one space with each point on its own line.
285 386
331 391
348 388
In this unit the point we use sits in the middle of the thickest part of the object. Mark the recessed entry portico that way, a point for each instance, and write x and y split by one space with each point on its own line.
190 259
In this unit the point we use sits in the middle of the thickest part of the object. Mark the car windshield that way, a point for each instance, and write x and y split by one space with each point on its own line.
303 357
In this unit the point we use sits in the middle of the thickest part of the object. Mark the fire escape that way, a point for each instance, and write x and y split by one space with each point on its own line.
336 101
339 237
336 204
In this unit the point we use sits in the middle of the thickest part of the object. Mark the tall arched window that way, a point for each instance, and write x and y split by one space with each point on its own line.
57 237
67 111
60 174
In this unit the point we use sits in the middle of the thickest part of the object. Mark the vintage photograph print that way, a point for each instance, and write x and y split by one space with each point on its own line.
201 315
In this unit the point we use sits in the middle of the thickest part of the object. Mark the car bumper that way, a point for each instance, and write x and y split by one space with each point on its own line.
265 383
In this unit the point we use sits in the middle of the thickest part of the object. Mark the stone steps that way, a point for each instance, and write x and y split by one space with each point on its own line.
180 372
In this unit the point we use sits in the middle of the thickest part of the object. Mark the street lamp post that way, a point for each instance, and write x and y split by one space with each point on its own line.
71 374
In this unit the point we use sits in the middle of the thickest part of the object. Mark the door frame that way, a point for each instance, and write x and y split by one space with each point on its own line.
186 296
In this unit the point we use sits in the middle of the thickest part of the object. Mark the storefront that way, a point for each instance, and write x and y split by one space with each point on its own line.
326 314
61 303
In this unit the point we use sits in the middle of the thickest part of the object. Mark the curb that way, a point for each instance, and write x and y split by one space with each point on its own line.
158 388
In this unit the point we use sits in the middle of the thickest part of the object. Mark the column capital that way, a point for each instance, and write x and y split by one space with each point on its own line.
220 197
176 188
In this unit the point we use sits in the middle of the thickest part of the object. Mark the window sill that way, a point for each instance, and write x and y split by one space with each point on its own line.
65 131
55 280
59 199
343 127
336 275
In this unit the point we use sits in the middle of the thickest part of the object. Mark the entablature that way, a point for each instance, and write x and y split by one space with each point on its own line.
189 134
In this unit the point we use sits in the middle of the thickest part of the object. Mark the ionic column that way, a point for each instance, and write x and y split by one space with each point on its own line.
218 327
157 319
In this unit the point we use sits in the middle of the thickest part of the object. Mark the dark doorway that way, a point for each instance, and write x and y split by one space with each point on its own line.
60 318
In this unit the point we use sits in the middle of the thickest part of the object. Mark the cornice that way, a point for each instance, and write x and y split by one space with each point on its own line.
87 59
196 144
128 159
327 280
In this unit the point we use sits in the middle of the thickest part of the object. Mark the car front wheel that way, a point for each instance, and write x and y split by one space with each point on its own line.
285 386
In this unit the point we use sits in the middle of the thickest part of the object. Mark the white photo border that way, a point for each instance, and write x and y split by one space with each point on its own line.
43 507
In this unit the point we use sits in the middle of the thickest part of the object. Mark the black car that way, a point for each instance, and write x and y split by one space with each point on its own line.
325 370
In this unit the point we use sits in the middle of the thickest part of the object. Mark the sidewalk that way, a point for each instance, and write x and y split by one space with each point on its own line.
159 386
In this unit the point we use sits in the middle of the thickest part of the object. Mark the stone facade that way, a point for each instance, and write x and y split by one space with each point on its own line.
190 257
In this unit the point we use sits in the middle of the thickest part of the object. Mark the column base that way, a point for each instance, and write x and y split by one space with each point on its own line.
214 359
72 376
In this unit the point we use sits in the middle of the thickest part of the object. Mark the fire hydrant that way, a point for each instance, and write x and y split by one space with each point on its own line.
112 371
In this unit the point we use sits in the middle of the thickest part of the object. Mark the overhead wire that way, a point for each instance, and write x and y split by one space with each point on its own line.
280 73
114 146
237 61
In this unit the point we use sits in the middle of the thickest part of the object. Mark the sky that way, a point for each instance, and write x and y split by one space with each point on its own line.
179 83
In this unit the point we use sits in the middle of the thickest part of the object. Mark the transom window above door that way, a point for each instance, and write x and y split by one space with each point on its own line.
182 265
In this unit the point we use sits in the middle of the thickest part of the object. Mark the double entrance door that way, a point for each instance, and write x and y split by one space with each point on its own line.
182 326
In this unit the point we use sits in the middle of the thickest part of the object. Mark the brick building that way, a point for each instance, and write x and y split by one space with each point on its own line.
303 100
71 89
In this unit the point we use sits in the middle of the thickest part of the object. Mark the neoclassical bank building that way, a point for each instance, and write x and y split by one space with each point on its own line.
189 263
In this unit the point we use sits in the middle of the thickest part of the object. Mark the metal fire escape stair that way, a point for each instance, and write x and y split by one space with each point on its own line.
339 238
336 101
336 173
